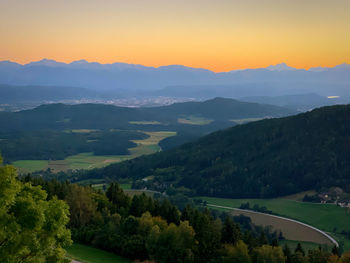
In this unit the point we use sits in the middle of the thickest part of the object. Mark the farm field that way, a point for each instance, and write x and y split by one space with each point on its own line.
323 216
29 166
88 254
194 120
145 122
90 161
327 217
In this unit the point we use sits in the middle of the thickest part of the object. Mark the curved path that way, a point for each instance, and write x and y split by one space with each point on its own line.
324 234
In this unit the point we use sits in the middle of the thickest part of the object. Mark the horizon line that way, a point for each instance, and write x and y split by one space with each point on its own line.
168 65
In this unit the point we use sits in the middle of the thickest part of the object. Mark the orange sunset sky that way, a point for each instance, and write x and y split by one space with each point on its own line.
220 35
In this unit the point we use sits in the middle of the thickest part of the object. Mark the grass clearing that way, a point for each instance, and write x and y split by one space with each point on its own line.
194 120
90 161
24 166
88 254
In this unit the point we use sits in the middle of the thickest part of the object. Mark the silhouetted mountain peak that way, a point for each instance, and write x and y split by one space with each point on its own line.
280 67
46 62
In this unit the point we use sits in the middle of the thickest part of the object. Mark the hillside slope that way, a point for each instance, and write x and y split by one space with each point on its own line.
267 158
99 116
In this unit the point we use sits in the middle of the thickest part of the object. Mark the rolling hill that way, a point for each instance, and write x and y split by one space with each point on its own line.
267 158
57 131
99 116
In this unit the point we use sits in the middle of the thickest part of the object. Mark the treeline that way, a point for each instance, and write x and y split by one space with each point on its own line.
57 145
256 207
142 228
268 158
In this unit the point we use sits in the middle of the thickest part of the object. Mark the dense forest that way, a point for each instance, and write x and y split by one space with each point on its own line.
57 145
143 228
36 226
267 158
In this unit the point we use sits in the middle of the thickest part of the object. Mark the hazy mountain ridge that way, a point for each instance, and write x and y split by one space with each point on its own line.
273 80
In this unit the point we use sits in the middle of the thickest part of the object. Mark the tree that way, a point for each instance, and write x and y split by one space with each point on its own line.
318 256
32 229
116 195
231 232
269 254
287 253
238 253
300 249
175 244
82 206
345 258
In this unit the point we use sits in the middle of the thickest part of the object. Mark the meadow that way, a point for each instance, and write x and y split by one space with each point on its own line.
145 122
194 120
88 254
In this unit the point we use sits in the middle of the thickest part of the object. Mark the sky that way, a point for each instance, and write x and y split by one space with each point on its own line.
219 35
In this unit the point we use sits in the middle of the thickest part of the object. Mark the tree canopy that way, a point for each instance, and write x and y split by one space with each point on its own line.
32 228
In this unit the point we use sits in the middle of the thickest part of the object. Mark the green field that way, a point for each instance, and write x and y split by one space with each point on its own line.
327 217
90 161
79 161
194 120
145 122
83 130
88 254
31 165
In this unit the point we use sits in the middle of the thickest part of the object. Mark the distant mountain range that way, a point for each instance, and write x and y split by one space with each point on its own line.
177 80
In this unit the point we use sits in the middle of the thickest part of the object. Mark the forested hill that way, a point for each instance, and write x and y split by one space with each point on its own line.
222 109
267 158
99 116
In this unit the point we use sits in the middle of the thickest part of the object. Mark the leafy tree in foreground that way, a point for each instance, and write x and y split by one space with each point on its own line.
32 229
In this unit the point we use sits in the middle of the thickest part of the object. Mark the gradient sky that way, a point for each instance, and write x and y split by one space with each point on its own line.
220 35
